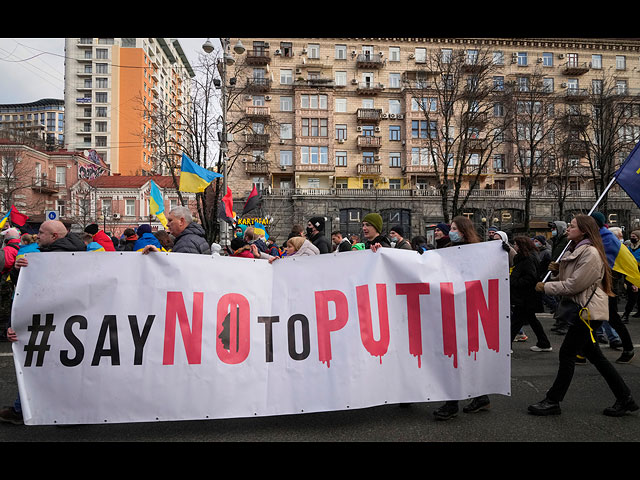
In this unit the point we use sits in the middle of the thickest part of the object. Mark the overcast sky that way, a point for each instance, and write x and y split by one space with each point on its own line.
33 68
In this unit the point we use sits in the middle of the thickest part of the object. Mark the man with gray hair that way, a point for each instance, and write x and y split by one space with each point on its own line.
189 236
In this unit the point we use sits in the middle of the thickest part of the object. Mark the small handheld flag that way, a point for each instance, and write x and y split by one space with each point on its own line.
156 204
193 177
5 218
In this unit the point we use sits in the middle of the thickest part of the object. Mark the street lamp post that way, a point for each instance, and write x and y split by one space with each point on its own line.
227 60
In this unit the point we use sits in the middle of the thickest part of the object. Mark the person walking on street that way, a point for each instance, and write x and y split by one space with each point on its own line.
525 301
461 233
583 276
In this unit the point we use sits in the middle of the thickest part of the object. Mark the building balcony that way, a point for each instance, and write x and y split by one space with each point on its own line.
369 169
314 167
418 169
255 111
258 84
44 185
367 88
315 82
575 68
366 141
576 94
256 168
257 139
369 60
258 57
372 115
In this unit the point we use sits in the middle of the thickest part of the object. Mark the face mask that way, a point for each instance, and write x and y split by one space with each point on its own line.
537 244
454 236
309 232
554 233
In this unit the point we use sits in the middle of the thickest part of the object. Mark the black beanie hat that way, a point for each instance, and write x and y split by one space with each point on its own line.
317 222
92 229
398 230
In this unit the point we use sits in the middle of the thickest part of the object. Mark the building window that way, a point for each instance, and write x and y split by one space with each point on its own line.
61 175
286 157
286 76
621 62
313 182
315 127
394 132
341 105
394 80
341 79
522 59
130 207
313 50
421 55
367 183
286 49
341 159
314 155
547 59
341 132
341 52
286 104
394 106
395 159
286 131
313 102
394 54
596 61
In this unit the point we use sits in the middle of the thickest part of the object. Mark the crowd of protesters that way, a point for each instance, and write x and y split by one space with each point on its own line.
544 273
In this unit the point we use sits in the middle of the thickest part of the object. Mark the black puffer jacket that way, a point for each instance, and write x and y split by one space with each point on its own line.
522 282
321 242
191 240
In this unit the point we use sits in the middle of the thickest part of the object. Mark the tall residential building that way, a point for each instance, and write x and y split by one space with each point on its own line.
117 91
42 119
343 126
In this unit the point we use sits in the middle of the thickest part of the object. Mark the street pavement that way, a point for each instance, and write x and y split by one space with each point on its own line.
507 421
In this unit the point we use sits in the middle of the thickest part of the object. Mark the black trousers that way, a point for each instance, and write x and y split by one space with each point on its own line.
522 316
578 339
632 300
616 323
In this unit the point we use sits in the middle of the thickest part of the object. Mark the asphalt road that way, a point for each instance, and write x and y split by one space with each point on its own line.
507 421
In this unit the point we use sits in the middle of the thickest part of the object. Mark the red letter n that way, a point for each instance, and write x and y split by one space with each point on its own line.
489 314
192 337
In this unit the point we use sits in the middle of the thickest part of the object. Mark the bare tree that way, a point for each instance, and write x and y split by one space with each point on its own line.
457 96
534 127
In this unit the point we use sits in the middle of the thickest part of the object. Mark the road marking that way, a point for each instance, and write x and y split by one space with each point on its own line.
6 354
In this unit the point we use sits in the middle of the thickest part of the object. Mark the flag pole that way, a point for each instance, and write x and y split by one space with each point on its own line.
604 192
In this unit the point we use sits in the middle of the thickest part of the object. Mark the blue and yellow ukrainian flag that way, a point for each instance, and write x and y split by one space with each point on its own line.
194 178
156 204
620 257
5 218
259 230
628 175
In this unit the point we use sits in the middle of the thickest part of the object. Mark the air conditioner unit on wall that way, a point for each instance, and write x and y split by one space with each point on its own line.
116 216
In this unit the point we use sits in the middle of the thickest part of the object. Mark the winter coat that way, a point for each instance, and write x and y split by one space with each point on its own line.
321 243
10 251
104 240
581 270
344 246
381 239
307 249
559 241
404 244
443 242
147 239
522 282
192 240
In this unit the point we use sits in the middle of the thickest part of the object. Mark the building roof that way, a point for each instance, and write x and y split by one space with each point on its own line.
130 181
44 102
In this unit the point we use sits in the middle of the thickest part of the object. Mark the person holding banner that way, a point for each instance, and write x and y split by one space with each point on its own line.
462 233
372 231
584 279
189 236
315 234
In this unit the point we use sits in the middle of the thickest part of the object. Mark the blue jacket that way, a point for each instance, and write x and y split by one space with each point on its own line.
146 239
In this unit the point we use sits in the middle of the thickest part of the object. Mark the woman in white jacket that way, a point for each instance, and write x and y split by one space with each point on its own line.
298 247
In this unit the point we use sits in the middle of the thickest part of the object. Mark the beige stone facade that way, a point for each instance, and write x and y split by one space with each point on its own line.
329 126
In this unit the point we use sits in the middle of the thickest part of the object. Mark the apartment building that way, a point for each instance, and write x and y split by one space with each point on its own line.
117 91
37 181
117 202
337 127
42 119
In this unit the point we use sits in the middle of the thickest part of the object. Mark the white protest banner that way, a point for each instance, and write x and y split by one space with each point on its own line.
126 337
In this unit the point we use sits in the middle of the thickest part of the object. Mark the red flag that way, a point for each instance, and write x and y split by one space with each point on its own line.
226 207
252 201
18 218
